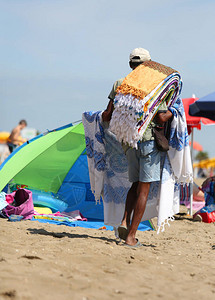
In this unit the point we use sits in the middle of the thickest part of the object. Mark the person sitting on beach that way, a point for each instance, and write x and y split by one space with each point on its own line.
207 181
14 139
208 186
198 194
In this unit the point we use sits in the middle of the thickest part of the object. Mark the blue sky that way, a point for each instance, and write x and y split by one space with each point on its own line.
60 58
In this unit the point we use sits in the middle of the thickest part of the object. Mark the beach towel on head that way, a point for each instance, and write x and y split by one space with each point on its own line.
139 97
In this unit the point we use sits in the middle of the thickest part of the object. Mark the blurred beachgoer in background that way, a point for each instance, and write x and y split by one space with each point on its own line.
202 173
207 214
198 194
15 139
207 183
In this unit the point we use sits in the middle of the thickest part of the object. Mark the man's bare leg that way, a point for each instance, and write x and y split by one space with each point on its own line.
142 195
130 205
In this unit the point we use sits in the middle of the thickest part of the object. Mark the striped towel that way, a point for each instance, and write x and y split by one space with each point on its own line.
139 97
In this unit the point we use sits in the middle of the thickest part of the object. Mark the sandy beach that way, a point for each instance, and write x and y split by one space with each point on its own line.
45 261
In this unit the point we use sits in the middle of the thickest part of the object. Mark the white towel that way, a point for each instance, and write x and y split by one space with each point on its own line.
111 181
95 151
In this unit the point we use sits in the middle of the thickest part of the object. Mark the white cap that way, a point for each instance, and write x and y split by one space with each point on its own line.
139 55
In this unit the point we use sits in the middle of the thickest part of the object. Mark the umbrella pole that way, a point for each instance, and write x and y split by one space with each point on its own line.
191 184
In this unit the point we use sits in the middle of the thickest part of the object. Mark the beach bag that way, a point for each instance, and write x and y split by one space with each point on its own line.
160 138
207 217
22 204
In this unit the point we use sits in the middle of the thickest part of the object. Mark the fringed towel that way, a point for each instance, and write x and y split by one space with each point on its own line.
139 97
96 156
111 181
108 169
177 168
179 152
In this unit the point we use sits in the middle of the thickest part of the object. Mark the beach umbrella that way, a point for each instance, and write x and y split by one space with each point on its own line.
193 122
206 163
44 161
204 107
54 167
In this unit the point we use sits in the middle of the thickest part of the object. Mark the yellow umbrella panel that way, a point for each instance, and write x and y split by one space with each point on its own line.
206 163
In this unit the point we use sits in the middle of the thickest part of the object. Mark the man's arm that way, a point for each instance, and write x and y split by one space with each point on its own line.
107 114
163 117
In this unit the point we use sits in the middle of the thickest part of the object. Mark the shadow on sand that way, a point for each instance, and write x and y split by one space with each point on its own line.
184 216
73 235
66 234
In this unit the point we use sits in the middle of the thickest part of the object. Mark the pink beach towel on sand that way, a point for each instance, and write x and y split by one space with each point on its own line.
24 204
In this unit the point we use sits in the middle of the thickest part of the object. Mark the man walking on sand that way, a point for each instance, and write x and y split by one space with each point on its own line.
143 163
14 139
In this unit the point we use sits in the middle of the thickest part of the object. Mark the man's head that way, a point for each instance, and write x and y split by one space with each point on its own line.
138 56
22 124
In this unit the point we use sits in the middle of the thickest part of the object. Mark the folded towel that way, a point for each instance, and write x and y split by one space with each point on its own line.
139 97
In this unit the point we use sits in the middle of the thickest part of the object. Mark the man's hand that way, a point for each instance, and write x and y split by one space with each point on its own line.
163 117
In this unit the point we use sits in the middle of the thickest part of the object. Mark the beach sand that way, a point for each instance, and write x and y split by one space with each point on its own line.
44 261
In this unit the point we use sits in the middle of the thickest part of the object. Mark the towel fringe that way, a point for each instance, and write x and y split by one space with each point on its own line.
165 222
